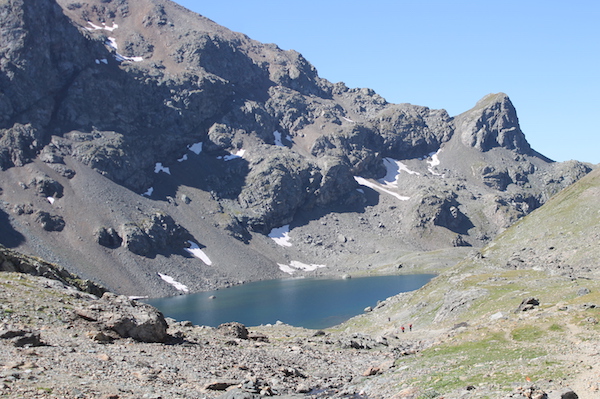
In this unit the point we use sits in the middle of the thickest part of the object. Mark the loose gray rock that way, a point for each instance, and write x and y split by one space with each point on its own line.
234 329
21 338
127 318
527 304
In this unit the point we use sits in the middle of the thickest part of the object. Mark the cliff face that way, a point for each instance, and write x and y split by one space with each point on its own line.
228 138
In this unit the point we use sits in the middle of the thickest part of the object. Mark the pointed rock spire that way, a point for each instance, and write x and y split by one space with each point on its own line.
492 123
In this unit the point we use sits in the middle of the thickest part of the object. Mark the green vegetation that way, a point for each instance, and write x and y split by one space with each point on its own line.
527 333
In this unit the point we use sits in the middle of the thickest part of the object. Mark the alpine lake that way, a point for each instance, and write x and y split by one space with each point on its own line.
314 303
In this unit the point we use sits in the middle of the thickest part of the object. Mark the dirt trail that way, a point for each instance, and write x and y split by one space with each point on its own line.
584 351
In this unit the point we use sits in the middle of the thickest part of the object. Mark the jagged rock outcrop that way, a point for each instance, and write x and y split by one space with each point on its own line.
108 237
277 185
411 131
442 209
492 123
47 187
50 222
127 318
12 261
152 234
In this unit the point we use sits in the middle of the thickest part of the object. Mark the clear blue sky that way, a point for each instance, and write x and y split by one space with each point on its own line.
545 54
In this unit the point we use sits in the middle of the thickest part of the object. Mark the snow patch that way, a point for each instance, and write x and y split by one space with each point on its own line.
347 119
170 280
195 250
286 269
160 168
112 43
196 148
278 141
149 192
281 235
294 266
239 154
364 182
393 168
183 158
103 27
50 200
435 161
122 58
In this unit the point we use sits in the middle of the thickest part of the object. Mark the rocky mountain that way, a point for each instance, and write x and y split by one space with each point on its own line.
491 326
140 140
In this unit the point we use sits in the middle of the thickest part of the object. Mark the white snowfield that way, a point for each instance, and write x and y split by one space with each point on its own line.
103 27
149 192
435 161
364 182
239 154
277 137
196 148
295 266
281 235
394 168
160 168
195 250
170 280
112 43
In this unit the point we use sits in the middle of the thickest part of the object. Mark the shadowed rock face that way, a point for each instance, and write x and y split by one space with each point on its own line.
162 101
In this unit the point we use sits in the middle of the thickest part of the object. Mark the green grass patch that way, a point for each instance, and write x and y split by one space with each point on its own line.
556 327
527 333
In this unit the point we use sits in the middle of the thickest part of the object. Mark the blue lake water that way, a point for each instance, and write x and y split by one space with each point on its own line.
309 303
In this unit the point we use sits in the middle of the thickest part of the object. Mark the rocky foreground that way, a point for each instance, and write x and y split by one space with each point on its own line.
59 342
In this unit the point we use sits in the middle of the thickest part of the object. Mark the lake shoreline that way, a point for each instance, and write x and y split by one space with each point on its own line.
315 302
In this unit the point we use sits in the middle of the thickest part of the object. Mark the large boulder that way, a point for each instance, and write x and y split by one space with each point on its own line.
50 222
128 318
149 235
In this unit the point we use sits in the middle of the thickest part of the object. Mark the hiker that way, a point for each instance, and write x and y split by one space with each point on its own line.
402 329
410 327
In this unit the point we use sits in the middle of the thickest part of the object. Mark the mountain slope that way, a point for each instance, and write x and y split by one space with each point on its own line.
480 329
139 138
521 312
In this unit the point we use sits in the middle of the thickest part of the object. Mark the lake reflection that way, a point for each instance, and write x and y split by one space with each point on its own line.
309 303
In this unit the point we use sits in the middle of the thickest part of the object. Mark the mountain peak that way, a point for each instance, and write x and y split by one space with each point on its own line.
492 122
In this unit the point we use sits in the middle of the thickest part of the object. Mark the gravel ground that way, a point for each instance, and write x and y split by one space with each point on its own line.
72 360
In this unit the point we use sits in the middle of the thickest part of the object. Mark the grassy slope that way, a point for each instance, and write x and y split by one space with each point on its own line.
469 311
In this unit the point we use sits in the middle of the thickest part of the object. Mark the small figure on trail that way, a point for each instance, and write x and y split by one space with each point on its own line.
402 328
410 327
